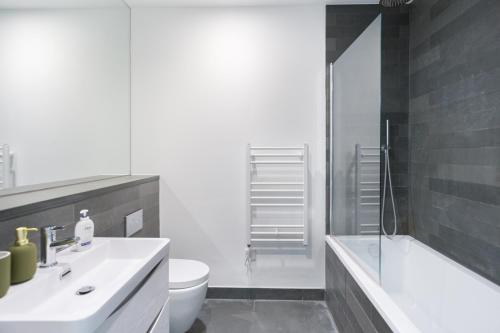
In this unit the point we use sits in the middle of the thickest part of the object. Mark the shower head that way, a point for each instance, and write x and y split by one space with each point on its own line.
395 3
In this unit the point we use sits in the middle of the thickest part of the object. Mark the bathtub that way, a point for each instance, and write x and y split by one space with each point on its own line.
418 289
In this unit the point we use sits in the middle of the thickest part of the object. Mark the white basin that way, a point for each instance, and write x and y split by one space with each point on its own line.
114 266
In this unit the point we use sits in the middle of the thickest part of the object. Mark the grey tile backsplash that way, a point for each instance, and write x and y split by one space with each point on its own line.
455 130
107 210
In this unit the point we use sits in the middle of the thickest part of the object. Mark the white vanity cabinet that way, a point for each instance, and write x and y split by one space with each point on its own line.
162 322
146 309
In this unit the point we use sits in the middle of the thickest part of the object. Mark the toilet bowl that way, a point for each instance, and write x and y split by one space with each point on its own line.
188 287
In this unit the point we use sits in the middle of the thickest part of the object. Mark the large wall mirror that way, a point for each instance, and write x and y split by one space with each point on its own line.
64 91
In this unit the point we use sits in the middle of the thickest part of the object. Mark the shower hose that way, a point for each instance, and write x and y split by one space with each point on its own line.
387 177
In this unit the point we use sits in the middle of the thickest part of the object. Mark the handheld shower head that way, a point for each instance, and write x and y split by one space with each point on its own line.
395 3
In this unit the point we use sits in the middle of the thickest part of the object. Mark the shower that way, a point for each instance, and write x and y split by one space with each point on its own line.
388 181
395 3
386 150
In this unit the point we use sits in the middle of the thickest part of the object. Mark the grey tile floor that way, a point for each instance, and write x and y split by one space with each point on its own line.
263 316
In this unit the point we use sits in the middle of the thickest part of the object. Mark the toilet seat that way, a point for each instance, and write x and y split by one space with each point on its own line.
184 273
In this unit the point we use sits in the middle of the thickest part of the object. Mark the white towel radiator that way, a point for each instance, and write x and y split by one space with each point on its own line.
277 195
367 186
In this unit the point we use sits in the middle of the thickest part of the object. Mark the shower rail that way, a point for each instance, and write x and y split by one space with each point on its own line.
273 192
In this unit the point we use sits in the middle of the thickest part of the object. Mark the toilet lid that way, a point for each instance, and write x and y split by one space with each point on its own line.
185 273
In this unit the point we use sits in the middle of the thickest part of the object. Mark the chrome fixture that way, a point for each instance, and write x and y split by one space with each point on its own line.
66 271
387 177
395 3
331 182
49 246
85 290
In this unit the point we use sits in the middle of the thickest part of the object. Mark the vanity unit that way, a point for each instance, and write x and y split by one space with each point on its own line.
119 285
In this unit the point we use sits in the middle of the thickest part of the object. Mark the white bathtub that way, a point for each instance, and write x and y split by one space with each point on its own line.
420 290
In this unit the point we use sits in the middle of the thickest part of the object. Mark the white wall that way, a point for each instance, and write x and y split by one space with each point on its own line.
356 120
64 92
205 82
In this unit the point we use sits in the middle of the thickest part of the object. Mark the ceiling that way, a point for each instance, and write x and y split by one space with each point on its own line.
18 4
40 4
212 3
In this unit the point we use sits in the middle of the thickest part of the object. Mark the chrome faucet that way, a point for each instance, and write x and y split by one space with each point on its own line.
49 246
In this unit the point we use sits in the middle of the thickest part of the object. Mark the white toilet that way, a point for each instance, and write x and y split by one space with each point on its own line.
188 288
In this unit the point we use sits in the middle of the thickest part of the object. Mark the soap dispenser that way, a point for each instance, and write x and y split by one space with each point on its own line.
84 231
23 256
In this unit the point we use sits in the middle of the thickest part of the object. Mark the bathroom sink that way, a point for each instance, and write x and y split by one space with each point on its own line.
115 267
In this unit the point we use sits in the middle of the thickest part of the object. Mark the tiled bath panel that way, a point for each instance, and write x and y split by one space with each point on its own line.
263 316
352 311
107 210
455 130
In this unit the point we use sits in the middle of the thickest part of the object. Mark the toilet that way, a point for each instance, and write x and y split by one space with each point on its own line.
188 288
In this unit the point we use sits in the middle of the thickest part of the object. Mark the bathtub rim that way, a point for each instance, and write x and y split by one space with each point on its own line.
393 315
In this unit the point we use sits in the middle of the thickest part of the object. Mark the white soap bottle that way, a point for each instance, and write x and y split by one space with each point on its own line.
84 231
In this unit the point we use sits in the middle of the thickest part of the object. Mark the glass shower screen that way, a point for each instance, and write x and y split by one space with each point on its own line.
355 102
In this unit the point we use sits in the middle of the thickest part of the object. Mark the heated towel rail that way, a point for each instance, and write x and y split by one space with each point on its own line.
277 195
367 185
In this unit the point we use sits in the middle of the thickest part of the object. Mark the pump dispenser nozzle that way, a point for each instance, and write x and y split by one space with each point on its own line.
84 213
22 235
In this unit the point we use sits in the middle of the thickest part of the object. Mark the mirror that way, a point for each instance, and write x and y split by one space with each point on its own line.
64 91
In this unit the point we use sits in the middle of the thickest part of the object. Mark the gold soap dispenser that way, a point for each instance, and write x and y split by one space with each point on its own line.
23 256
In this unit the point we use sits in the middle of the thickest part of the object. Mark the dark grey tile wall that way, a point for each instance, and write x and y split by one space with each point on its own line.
108 210
352 311
455 130
344 23
395 108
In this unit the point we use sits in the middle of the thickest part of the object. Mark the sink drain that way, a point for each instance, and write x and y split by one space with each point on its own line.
85 290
